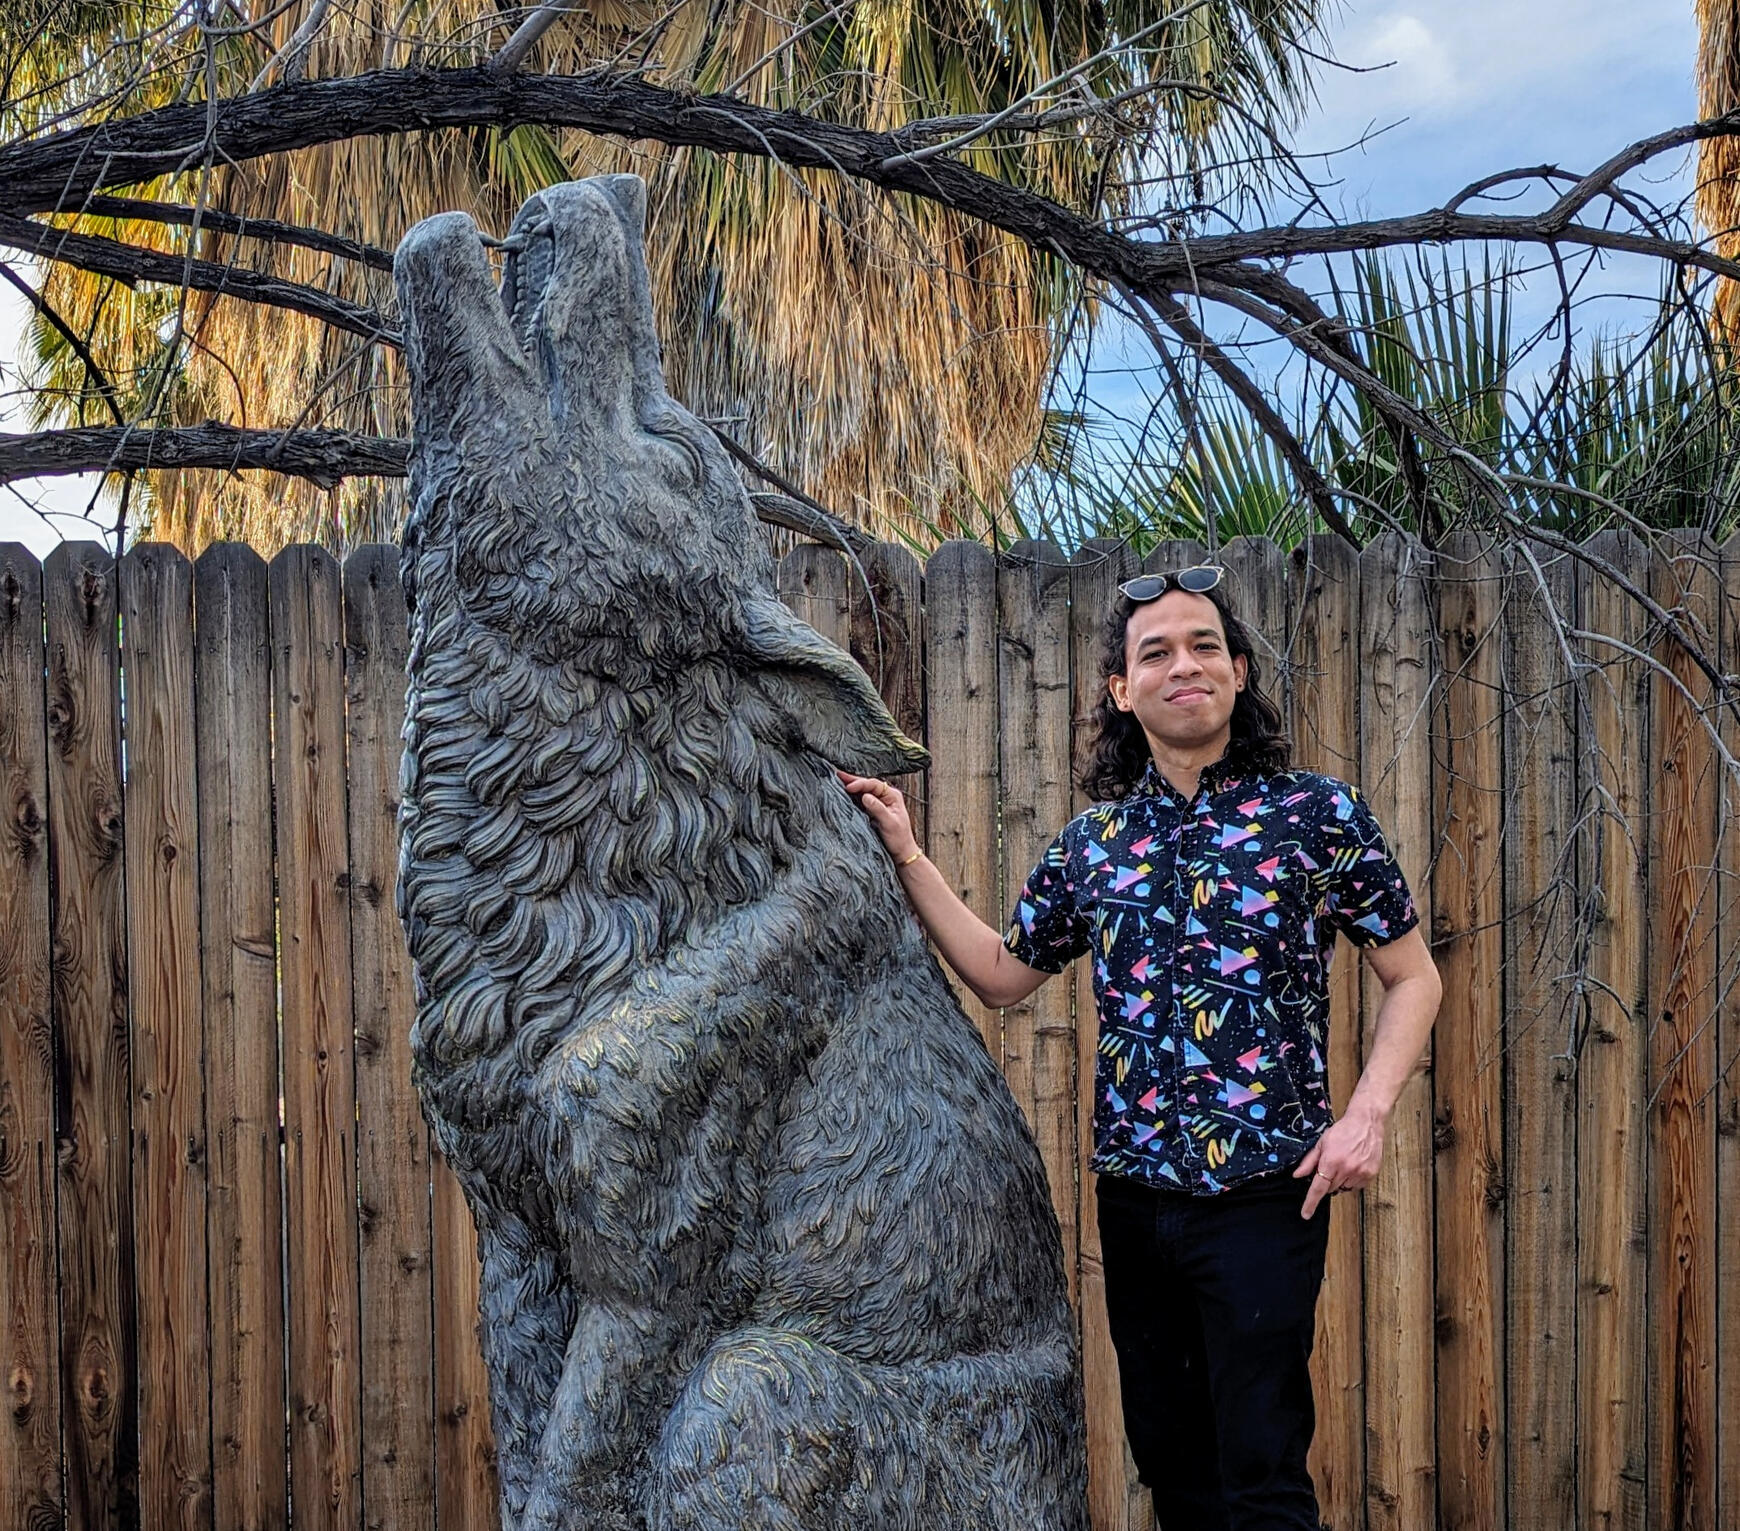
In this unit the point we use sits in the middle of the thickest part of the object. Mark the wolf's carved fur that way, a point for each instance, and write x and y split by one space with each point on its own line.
766 1242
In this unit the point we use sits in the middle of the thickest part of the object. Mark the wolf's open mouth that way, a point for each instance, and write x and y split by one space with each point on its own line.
531 257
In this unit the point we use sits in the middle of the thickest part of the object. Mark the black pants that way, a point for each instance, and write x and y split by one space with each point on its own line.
1212 1301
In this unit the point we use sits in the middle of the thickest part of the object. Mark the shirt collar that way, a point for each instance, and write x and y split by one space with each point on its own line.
1215 775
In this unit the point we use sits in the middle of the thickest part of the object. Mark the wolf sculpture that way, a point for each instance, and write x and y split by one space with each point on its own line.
765 1240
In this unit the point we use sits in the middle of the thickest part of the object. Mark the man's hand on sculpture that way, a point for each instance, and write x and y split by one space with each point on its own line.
1345 1158
887 810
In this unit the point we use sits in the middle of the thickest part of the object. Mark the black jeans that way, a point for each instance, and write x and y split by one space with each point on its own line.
1213 1301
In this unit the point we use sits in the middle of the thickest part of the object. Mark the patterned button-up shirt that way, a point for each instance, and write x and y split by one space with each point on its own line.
1212 922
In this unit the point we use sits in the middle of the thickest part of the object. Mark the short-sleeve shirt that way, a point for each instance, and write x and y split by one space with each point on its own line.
1212 921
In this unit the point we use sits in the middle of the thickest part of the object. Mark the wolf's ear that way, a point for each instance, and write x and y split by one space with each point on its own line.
829 698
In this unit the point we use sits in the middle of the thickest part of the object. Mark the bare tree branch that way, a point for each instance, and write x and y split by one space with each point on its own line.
326 457
59 172
129 263
98 377
513 52
1317 489
245 228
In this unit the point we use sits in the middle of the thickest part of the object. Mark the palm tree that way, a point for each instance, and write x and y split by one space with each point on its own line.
888 355
1644 423
1718 72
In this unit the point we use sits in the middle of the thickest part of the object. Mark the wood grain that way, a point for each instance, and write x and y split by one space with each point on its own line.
1541 1026
1615 779
1395 757
1682 1062
961 702
319 1063
398 1399
1034 761
99 1376
238 963
887 640
1116 1499
168 1042
1468 937
815 582
1323 715
1258 587
1728 1086
30 1460
467 1492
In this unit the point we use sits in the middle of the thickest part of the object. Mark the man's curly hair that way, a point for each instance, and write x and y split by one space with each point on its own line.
1118 751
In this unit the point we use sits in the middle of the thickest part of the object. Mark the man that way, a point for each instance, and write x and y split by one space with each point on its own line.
1209 887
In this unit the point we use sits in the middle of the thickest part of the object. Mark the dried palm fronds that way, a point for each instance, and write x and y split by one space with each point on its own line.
889 356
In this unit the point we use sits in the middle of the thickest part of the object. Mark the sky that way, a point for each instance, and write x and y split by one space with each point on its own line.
1458 88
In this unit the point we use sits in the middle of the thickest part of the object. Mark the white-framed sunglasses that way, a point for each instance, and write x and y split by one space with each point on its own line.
1197 579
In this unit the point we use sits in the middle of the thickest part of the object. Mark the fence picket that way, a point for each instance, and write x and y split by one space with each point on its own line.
238 964
1468 931
1612 1138
467 1494
1728 1087
1116 1499
1539 1076
99 1378
1034 757
1682 1058
816 583
319 1062
961 691
887 640
163 977
398 1442
1395 755
30 1426
1324 695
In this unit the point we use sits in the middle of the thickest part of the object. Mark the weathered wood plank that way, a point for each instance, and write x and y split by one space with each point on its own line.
1033 643
319 1063
1682 1061
1468 1099
1612 1264
1395 758
1728 1086
1324 720
398 1440
99 1376
1258 585
1540 1037
887 633
467 1492
1116 1499
30 1463
1173 553
163 978
961 701
816 582
238 951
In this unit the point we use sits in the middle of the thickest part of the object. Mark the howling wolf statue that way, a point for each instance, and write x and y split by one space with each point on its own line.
766 1243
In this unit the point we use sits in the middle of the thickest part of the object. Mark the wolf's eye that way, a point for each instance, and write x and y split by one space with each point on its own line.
690 452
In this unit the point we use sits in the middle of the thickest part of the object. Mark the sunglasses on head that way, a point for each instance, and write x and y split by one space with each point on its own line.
1197 579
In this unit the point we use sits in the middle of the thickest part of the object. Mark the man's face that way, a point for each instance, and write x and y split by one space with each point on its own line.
1179 680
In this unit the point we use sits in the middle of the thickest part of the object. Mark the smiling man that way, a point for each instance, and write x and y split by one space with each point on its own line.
1208 885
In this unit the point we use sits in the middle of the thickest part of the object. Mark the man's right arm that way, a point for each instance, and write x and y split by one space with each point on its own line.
969 946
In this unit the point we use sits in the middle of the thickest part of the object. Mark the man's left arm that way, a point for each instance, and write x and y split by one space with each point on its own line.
1347 1156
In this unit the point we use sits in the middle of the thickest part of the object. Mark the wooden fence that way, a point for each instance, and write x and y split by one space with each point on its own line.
233 1281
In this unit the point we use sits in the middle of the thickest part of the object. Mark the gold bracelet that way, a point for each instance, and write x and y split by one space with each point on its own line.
915 856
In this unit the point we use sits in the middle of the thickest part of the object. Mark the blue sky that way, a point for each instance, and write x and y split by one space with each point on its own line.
1467 87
